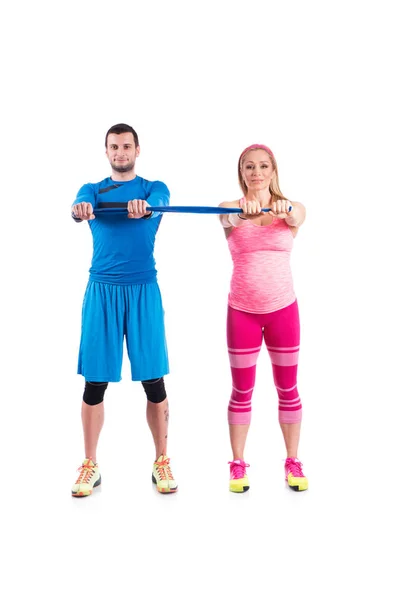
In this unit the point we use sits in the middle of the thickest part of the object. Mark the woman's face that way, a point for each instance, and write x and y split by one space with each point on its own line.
257 170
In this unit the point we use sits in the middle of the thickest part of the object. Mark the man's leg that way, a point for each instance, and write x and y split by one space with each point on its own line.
100 361
157 413
147 350
92 416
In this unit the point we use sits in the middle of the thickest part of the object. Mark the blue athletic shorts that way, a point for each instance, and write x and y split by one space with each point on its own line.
111 312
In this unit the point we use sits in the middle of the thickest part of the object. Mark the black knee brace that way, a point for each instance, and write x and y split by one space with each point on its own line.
155 390
94 392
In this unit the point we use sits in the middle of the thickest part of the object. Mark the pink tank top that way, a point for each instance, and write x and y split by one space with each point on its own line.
262 278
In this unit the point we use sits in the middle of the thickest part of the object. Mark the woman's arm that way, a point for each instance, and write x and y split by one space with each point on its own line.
297 215
233 219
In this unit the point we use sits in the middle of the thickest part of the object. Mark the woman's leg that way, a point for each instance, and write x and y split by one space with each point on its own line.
282 337
244 336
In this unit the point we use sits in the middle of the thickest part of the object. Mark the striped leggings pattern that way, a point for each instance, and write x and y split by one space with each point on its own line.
280 331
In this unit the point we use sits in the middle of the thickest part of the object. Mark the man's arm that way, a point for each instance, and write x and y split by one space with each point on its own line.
83 207
159 196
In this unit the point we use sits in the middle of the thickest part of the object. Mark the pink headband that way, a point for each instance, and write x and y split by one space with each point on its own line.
256 147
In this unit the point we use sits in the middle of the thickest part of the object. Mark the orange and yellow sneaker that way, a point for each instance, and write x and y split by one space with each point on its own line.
239 481
162 476
294 475
89 477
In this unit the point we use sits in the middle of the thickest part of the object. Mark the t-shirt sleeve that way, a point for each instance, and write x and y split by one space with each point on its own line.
85 194
159 196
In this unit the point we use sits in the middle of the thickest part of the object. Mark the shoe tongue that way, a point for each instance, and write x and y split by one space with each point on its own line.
161 458
88 462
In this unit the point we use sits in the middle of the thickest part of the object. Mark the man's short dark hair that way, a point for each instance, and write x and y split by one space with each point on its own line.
123 128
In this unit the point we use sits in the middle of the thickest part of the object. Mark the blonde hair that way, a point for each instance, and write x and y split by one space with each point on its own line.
274 188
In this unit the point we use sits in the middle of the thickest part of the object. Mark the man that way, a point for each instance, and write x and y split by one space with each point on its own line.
122 299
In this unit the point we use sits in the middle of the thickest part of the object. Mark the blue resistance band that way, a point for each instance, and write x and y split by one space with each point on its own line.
214 210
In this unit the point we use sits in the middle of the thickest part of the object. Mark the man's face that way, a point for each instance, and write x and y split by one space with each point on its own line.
122 152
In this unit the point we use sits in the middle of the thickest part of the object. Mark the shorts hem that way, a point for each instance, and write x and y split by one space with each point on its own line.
147 377
101 379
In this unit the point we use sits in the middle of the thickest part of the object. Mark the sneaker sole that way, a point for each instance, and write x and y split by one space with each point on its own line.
238 486
244 489
163 490
297 488
89 493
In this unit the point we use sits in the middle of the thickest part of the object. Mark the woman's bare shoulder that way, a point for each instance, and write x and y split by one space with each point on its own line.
233 204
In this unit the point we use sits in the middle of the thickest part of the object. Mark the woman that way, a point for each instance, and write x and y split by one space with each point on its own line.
262 304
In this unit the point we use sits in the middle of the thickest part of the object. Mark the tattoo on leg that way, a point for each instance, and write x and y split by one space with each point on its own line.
166 413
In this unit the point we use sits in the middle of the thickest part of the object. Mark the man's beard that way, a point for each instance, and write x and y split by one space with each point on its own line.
124 168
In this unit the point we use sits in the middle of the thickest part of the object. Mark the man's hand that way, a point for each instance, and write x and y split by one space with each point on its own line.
84 211
137 209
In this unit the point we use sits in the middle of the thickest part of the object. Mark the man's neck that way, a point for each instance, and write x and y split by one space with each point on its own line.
128 176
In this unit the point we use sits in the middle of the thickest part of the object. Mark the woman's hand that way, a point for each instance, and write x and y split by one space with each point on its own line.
251 208
281 209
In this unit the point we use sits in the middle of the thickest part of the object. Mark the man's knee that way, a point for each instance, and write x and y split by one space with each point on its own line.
94 392
155 390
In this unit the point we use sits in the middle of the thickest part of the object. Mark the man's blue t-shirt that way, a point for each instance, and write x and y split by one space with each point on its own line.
123 249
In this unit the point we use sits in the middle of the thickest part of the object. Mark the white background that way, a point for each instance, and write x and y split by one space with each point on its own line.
316 81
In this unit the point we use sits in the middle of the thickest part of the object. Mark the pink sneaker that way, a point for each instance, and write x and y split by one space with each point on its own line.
294 475
238 478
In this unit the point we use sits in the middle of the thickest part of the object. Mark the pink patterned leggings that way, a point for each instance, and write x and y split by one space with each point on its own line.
281 332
